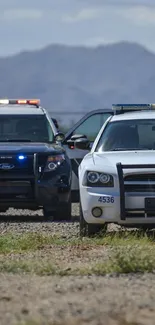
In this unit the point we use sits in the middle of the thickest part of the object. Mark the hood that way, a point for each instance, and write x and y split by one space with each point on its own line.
108 159
16 147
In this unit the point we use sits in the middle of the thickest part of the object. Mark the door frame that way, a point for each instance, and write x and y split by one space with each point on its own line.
85 117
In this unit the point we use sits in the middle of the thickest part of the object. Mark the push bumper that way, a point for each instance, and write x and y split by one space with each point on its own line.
32 191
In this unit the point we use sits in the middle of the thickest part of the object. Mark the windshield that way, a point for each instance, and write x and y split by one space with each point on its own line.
34 128
128 135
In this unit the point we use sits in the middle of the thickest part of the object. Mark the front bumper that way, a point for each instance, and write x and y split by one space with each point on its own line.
22 195
119 205
36 189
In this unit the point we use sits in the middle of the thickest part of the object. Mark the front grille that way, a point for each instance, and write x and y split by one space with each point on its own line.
139 183
140 178
20 166
21 182
139 188
136 182
23 168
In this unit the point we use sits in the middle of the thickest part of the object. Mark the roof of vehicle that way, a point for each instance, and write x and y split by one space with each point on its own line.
20 109
133 116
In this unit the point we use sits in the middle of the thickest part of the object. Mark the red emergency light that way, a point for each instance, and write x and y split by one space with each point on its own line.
35 102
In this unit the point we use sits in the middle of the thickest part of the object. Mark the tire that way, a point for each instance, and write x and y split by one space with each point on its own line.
89 229
63 213
147 228
3 210
48 215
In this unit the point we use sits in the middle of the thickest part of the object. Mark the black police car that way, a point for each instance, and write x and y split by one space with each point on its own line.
35 171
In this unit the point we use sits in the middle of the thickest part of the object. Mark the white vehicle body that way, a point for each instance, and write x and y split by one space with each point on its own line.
129 200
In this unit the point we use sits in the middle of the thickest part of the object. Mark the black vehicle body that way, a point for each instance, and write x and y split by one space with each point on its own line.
25 183
35 171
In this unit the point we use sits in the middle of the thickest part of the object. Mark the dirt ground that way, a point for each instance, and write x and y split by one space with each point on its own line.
52 300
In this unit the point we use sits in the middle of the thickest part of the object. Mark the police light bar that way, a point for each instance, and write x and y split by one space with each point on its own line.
121 108
20 102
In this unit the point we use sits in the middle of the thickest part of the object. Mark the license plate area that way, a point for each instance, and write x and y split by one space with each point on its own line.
15 187
149 204
14 184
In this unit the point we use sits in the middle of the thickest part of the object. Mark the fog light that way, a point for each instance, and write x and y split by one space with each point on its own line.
97 212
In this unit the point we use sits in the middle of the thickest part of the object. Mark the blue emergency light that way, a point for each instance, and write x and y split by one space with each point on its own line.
21 157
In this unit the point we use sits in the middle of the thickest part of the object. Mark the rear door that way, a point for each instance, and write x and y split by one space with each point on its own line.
89 125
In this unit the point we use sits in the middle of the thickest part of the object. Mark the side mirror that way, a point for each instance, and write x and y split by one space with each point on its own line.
71 141
82 143
77 136
59 137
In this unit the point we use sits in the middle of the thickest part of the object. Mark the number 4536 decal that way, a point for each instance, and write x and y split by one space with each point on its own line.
106 199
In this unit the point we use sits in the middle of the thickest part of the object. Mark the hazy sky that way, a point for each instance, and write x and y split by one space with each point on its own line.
32 24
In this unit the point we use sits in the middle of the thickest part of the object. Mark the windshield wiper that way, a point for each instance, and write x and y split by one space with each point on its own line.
15 140
129 149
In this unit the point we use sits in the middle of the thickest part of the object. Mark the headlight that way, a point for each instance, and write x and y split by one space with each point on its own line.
54 162
104 178
97 179
93 177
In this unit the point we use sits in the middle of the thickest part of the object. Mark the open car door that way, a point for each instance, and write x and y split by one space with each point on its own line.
88 126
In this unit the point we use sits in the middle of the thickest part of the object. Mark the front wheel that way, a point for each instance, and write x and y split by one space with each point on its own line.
62 213
147 227
89 229
48 214
3 210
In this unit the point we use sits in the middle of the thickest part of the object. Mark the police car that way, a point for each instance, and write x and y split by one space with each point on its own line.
35 171
117 176
87 127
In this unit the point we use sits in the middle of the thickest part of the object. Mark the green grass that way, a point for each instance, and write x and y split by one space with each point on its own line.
31 322
130 253
28 242
34 241
74 322
67 322
135 260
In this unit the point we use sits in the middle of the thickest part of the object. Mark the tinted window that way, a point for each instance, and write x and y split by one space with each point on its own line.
91 126
128 135
35 128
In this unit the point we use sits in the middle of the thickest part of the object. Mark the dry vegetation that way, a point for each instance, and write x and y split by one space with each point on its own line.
49 276
42 254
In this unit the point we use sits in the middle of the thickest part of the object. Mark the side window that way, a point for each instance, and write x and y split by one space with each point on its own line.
92 125
142 131
149 140
50 131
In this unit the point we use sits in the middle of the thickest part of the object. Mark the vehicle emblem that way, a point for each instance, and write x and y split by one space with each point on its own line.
6 166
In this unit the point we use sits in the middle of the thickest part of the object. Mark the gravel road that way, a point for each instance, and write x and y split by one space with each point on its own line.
109 300
21 221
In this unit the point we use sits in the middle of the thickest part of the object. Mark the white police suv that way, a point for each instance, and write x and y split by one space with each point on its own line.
117 176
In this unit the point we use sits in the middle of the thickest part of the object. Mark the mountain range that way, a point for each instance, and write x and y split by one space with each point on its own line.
73 79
